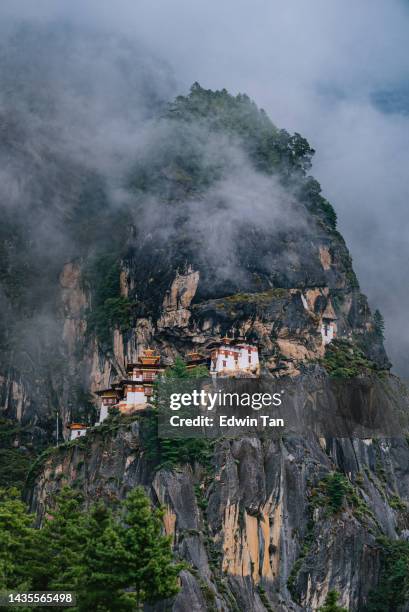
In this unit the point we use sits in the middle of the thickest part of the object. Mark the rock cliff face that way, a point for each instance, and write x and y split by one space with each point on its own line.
222 231
254 526
218 233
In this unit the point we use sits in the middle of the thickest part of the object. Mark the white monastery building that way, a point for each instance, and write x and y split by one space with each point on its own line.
135 391
234 357
227 358
77 430
109 398
329 324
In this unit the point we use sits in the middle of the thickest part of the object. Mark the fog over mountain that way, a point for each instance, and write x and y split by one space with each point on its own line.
335 75
160 221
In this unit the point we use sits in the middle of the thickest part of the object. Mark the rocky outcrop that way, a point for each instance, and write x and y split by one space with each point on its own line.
255 526
177 301
74 304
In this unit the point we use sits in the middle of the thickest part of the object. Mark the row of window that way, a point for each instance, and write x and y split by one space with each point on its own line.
236 360
146 375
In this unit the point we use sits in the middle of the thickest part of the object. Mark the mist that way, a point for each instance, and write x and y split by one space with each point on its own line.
335 73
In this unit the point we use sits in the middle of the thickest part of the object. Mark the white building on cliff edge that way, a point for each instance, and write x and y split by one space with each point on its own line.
329 324
134 392
234 357
227 358
77 430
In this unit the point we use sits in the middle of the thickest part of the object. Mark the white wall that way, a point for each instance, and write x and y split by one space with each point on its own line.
328 331
135 397
103 412
77 433
224 363
232 364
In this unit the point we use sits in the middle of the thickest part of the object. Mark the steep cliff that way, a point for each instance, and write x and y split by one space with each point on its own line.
259 524
214 227
219 229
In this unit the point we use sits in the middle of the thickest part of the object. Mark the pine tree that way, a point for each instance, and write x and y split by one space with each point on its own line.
148 566
58 563
169 451
17 541
331 603
379 324
178 370
103 580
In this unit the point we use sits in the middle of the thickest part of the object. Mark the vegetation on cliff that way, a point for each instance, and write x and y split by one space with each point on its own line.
331 603
344 359
270 149
168 453
16 453
109 309
393 587
181 167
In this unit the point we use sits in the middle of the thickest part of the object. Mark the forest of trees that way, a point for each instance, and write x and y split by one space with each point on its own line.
113 559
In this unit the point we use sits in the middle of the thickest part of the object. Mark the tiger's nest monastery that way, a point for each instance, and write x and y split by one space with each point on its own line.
225 358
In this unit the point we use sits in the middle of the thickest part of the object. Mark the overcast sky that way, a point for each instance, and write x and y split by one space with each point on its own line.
336 71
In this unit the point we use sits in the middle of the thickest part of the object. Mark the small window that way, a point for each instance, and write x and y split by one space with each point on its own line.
249 358
224 364
149 376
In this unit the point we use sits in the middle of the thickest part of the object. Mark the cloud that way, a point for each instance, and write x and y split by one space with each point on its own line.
325 69
195 196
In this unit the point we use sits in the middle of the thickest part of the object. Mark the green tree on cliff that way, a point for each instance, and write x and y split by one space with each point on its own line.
126 560
103 580
146 564
17 541
58 561
379 324
179 370
392 592
331 603
166 452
